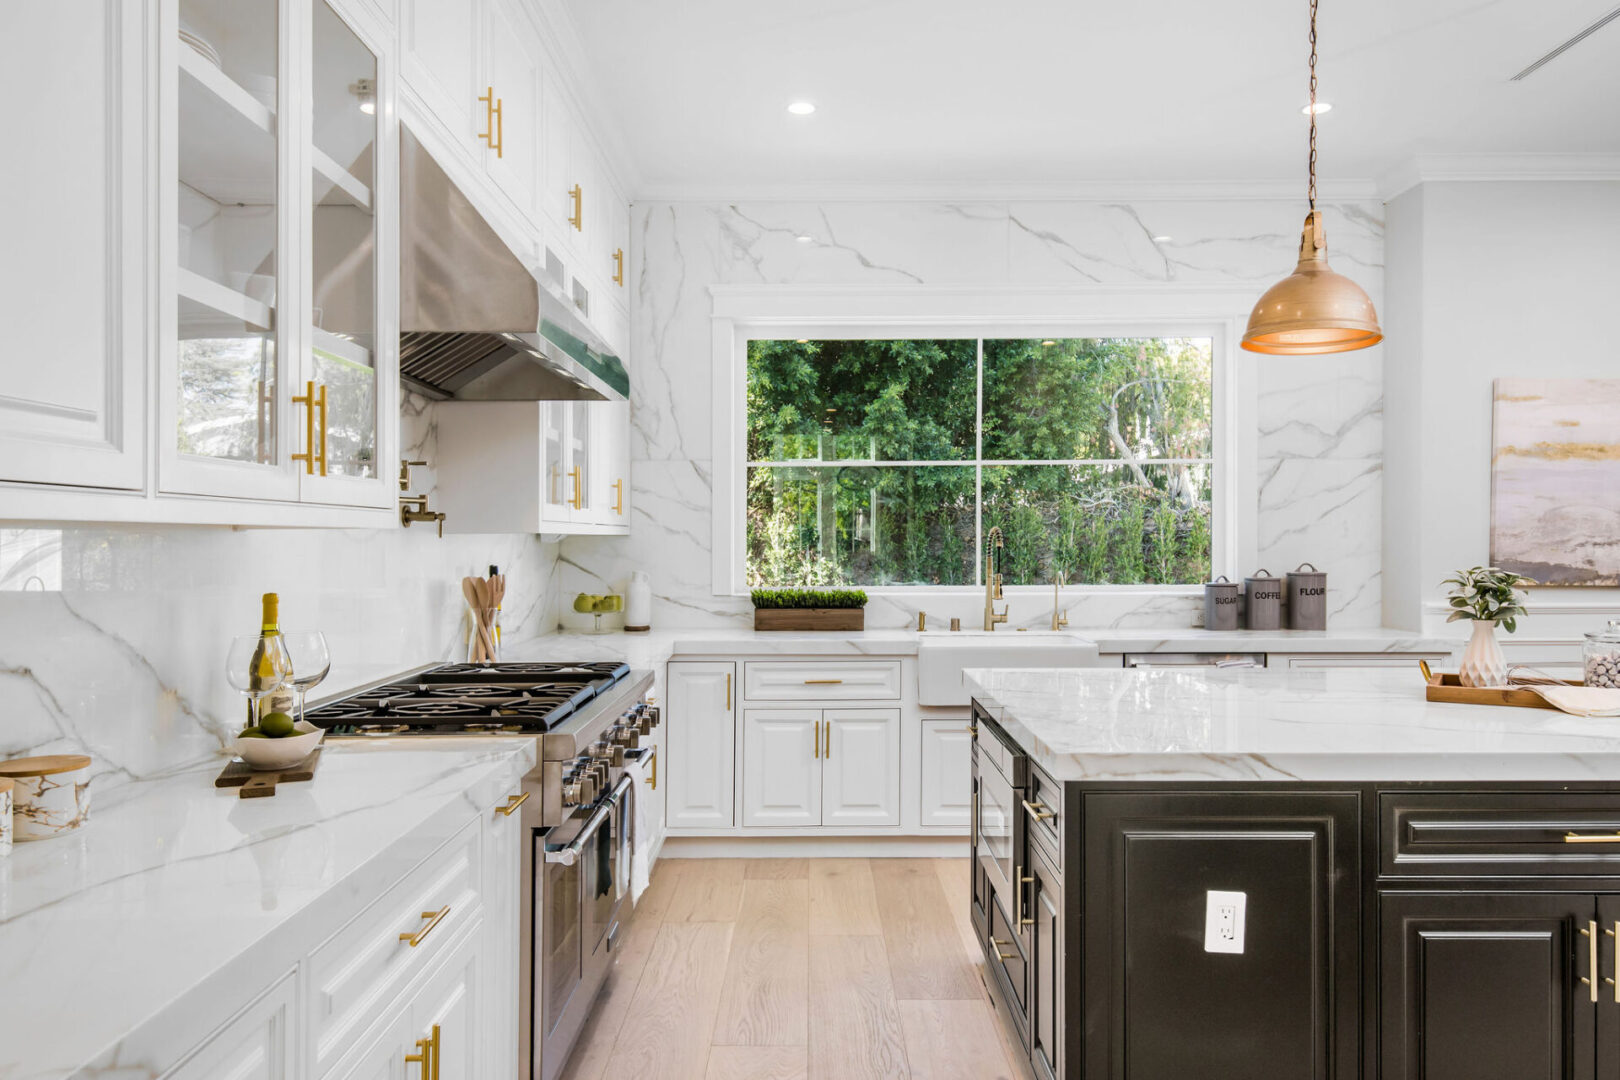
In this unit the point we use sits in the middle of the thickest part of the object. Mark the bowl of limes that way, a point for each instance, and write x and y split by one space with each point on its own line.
277 742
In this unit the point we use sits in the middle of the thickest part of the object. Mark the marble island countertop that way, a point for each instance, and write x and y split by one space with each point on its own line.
1203 724
176 893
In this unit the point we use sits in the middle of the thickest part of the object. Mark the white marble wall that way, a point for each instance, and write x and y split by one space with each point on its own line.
113 639
1319 420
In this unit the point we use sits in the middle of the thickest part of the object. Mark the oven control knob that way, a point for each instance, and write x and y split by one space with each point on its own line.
653 714
573 793
626 737
617 760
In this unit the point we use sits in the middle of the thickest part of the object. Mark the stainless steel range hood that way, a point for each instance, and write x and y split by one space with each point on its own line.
475 323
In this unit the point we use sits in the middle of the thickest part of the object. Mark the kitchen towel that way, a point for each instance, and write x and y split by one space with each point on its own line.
645 827
1575 700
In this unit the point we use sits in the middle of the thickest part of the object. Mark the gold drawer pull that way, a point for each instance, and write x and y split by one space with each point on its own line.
618 497
997 943
577 218
434 918
1588 838
427 1055
1038 811
1589 932
618 267
578 501
512 803
822 682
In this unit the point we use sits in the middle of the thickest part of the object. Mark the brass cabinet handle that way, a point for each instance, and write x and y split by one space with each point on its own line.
1615 933
578 501
823 682
1589 932
434 918
577 219
728 690
512 804
1019 909
1588 838
618 497
422 1057
997 943
652 778
311 402
826 742
1038 811
815 727
618 267
494 128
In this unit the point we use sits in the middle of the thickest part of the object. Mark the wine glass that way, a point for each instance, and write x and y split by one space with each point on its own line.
311 661
256 667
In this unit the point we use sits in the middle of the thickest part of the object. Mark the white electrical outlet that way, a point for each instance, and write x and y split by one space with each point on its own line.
1224 916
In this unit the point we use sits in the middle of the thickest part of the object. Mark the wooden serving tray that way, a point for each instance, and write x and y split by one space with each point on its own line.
1447 686
260 784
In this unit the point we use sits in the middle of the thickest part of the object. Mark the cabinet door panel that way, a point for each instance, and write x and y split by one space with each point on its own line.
700 740
781 770
609 465
1479 986
255 1046
73 375
861 767
514 73
945 791
1046 1017
1160 1004
440 42
450 1002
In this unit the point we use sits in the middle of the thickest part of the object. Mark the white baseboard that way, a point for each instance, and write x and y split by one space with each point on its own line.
815 847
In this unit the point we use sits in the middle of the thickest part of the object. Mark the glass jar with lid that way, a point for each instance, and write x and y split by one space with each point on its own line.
1601 655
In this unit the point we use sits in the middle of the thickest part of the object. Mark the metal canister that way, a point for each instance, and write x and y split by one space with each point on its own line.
1221 604
1307 598
1262 601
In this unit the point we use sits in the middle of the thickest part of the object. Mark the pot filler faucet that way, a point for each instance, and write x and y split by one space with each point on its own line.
993 544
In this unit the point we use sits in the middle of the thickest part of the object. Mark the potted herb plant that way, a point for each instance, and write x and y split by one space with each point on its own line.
809 609
1486 595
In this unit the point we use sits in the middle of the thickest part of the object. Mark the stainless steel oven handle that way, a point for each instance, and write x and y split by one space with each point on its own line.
568 856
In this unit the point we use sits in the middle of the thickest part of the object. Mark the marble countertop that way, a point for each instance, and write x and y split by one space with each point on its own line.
178 898
1341 724
654 647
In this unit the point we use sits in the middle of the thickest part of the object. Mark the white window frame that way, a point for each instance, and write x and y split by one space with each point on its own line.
749 312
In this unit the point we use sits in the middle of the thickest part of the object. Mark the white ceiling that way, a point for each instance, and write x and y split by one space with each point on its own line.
1029 92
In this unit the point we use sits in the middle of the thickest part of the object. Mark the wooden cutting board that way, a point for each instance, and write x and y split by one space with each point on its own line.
260 784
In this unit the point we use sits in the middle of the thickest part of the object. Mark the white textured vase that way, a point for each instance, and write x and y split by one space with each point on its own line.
1482 661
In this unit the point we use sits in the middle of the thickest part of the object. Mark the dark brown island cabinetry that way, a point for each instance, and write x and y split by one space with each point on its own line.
1388 931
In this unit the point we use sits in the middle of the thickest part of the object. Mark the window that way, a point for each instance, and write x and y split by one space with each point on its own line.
885 462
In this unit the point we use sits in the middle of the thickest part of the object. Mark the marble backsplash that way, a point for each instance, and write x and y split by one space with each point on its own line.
113 639
1319 421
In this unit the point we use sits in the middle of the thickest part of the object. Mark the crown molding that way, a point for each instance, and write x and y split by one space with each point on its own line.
1497 168
1116 191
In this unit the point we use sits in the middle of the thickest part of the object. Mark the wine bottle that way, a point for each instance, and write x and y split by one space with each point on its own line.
270 660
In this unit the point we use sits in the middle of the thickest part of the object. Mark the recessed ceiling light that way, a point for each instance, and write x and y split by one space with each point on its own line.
805 238
1163 239
801 108
1320 107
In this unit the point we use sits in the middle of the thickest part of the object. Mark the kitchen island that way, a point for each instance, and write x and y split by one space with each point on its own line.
1293 874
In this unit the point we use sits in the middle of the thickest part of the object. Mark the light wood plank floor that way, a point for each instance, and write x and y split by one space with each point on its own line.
797 969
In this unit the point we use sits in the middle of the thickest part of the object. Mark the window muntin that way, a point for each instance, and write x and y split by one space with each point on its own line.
884 462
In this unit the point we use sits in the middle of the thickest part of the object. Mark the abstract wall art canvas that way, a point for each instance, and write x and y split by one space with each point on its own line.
1555 480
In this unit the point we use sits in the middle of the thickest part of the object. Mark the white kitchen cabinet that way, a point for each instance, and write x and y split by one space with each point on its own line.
533 467
833 767
781 763
383 1058
700 733
514 67
946 772
448 1011
607 469
72 283
256 1045
504 836
440 45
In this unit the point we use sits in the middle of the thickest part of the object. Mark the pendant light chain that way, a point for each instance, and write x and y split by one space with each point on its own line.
1312 192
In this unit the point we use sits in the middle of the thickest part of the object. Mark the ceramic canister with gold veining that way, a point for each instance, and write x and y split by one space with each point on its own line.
50 795
5 816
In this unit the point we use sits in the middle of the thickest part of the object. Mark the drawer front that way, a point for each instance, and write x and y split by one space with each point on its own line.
1513 834
1005 952
1043 814
356 972
862 681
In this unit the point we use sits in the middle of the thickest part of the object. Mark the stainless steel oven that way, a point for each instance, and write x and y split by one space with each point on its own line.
582 869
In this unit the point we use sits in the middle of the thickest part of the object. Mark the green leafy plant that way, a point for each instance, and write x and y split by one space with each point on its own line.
809 598
1487 594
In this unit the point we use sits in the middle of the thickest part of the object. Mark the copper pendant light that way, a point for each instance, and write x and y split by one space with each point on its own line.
1313 310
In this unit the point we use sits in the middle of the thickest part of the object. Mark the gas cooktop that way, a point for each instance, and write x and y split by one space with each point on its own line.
456 698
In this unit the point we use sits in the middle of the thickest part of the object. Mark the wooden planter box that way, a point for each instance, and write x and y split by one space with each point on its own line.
810 618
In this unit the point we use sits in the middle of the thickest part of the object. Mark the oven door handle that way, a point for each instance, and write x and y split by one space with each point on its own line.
569 855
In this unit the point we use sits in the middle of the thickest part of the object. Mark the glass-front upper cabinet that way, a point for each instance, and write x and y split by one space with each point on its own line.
225 395
344 332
